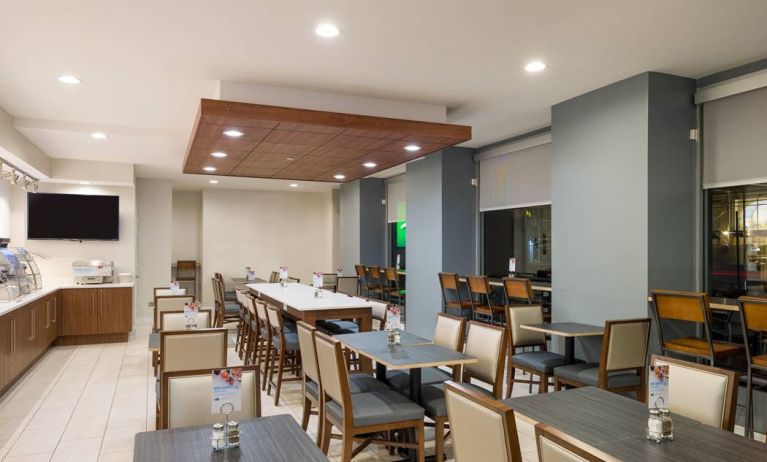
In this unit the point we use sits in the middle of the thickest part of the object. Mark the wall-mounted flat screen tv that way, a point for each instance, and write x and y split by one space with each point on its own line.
73 217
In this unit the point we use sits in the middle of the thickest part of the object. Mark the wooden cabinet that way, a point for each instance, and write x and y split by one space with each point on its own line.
6 348
96 311
115 310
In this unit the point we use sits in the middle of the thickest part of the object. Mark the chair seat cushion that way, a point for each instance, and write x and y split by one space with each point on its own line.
400 380
337 326
312 389
588 374
541 361
433 397
360 382
230 295
760 360
377 407
698 346
291 342
231 308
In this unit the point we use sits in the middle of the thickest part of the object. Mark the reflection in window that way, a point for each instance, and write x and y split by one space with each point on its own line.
523 233
737 234
397 243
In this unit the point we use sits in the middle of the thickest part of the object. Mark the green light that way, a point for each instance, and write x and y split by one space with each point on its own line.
401 234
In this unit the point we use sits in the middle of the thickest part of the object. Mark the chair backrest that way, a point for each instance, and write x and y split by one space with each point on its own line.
330 281
308 352
182 350
164 291
753 317
348 285
186 397
482 428
488 344
624 345
175 320
681 306
292 279
263 318
186 270
524 314
275 322
518 290
478 285
333 370
703 393
169 303
374 274
448 331
379 315
556 446
391 275
274 277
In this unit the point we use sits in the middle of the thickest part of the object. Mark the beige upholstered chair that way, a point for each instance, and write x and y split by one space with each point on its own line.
623 365
556 446
169 303
263 355
244 322
175 320
363 413
186 398
283 355
348 285
540 362
164 291
703 393
483 429
185 350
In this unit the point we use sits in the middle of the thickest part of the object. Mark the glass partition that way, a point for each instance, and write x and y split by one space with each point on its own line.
397 243
522 233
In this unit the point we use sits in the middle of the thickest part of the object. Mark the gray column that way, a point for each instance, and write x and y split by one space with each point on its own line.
362 233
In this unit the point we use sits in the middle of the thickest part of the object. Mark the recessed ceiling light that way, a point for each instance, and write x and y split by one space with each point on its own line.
209 169
218 154
85 182
293 185
68 79
99 135
327 30
213 181
370 164
233 133
535 66
412 147
339 176
290 159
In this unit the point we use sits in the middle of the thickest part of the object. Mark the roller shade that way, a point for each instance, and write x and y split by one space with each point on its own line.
518 179
396 194
735 140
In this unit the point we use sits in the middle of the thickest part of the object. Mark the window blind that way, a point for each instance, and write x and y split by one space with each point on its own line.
518 179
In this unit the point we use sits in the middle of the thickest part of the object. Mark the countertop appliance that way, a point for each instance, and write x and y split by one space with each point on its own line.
13 276
32 270
93 271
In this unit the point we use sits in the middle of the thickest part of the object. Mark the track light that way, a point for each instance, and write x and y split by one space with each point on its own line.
15 176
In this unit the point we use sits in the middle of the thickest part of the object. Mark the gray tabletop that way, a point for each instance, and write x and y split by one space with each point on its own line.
616 425
565 329
411 353
154 341
268 439
376 339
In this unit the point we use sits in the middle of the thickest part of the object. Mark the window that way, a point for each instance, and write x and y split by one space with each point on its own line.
397 242
522 233
737 236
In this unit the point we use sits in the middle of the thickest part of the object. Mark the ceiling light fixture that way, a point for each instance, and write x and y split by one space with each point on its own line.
412 148
85 182
213 181
219 154
370 164
290 159
339 176
327 30
293 185
15 176
535 66
209 169
68 79
99 135
233 133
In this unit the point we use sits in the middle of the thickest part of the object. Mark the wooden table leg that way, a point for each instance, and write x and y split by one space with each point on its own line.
366 325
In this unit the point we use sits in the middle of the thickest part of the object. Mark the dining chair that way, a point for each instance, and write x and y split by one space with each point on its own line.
253 342
164 291
481 297
753 319
284 354
485 342
517 291
243 323
169 303
538 362
187 396
692 308
225 311
274 277
622 367
483 429
348 285
175 320
330 281
452 299
448 333
706 394
556 446
186 273
375 283
229 295
294 280
391 286
369 413
263 355
362 280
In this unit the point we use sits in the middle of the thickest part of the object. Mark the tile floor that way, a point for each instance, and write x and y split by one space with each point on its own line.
85 403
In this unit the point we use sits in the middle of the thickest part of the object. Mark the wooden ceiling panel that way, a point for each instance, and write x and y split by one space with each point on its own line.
301 144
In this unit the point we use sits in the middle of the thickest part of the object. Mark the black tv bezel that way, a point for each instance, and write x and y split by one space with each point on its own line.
74 239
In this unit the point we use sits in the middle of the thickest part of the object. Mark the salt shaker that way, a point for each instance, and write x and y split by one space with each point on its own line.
668 424
655 426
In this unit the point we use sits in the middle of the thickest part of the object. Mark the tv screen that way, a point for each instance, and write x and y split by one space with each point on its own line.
72 217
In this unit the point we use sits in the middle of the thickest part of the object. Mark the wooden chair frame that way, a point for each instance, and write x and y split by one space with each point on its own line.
480 294
169 333
208 311
604 373
543 381
497 381
309 401
498 407
392 288
576 446
451 281
512 291
731 395
164 385
362 280
752 322
375 282
285 360
156 314
348 430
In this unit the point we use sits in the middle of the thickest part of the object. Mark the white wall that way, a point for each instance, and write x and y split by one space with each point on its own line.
154 199
265 229
187 226
5 209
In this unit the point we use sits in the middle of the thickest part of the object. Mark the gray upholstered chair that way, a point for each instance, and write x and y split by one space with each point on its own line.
283 355
362 413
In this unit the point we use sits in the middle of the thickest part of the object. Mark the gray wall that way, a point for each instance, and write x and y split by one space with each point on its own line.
372 221
459 212
349 227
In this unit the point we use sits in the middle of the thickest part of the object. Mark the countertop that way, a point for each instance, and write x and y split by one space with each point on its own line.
51 285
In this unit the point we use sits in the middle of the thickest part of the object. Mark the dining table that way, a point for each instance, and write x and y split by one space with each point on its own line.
616 425
276 438
569 331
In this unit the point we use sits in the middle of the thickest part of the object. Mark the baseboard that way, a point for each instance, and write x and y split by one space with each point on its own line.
91 339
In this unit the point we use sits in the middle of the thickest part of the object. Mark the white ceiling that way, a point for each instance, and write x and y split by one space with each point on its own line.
145 64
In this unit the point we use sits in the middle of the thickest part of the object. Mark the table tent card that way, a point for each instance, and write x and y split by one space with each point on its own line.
512 265
393 318
339 272
250 273
226 390
657 386
283 272
175 288
191 311
398 261
317 280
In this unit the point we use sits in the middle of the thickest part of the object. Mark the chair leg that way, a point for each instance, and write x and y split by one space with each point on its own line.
306 413
510 381
543 384
348 446
420 436
749 432
280 367
267 367
327 428
557 384
439 439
